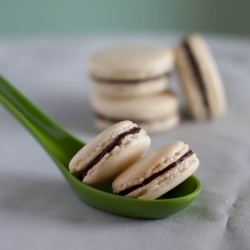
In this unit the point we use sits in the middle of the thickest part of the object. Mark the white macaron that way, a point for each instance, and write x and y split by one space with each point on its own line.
200 79
157 173
109 153
127 71
153 113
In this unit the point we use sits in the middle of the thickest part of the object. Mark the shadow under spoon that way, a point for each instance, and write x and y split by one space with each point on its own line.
62 146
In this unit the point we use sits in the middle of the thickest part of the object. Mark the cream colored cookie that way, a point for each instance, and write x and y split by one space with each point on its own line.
157 173
110 153
153 113
200 79
131 70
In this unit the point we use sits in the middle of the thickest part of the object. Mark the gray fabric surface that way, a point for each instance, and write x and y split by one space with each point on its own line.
38 210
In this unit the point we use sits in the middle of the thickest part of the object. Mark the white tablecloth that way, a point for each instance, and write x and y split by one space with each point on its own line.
38 209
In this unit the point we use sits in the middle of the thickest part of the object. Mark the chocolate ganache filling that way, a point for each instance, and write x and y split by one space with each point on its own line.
109 148
198 75
154 176
129 81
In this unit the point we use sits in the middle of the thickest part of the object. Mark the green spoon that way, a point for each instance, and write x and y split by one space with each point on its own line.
61 146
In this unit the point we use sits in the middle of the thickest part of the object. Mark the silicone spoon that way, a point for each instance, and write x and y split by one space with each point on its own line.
61 146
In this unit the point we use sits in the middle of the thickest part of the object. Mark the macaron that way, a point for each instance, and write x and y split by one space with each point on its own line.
154 113
157 173
200 79
127 71
109 153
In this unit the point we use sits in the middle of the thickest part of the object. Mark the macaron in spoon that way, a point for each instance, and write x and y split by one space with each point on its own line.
154 113
127 71
157 173
61 146
109 153
200 79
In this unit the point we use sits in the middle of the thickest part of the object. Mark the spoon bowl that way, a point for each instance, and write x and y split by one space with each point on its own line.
62 146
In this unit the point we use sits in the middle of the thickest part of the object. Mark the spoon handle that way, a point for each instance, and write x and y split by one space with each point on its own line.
54 138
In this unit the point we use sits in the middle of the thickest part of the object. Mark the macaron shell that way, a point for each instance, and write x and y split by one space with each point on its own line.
131 62
155 126
144 108
123 158
131 90
143 168
154 113
85 155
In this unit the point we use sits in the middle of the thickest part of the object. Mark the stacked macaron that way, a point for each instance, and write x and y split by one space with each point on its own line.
131 83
